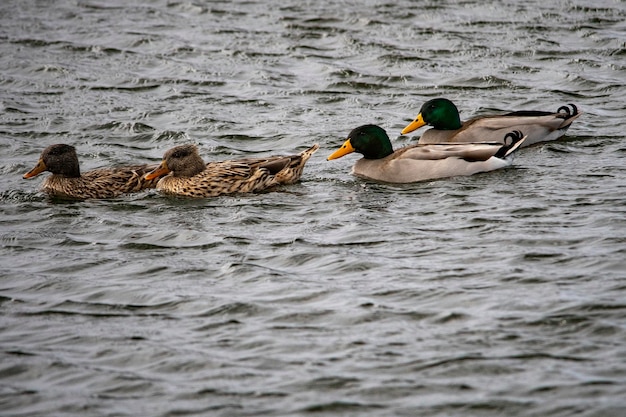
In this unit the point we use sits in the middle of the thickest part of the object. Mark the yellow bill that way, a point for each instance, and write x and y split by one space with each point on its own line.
345 149
415 124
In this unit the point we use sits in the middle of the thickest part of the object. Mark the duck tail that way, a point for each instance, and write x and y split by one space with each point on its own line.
307 154
512 141
568 115
292 172
140 182
299 160
567 112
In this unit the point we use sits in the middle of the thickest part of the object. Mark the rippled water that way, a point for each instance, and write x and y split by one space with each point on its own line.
500 294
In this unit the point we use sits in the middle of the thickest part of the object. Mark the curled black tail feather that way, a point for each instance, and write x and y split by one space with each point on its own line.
512 141
567 111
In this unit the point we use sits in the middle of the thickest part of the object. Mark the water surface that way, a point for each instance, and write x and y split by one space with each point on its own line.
491 295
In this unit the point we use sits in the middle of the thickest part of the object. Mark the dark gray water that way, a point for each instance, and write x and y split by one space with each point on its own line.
500 294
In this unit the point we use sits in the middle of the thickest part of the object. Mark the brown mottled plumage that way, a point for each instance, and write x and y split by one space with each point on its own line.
66 180
189 176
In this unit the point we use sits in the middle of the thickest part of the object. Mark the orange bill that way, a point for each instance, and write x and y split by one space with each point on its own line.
415 124
157 172
345 149
39 168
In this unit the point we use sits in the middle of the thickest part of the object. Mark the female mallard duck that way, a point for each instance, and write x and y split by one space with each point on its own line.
66 180
422 162
443 116
190 176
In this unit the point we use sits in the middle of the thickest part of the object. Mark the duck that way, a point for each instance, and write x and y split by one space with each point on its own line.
443 115
68 182
184 173
421 162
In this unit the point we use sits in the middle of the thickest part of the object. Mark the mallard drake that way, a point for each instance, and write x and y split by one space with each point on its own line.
421 162
67 181
188 175
443 116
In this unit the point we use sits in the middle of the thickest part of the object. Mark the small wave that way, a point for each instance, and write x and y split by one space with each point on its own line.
341 407
133 127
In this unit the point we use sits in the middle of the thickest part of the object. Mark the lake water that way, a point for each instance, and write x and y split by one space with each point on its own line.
499 294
